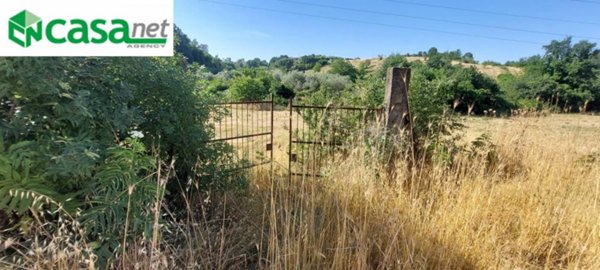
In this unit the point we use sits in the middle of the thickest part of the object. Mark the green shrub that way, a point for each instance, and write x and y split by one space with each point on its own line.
245 88
66 145
344 68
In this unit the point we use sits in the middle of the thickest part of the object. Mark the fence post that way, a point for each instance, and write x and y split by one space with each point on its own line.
398 121
397 112
290 106
272 132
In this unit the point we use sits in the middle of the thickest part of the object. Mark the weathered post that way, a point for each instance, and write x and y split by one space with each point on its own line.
397 114
398 122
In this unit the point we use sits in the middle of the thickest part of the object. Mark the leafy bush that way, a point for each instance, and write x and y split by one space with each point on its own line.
66 131
308 62
344 68
245 88
294 80
284 62
394 60
251 85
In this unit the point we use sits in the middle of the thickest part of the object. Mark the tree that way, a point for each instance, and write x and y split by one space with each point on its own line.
283 62
565 77
256 62
285 93
454 55
246 88
317 67
468 58
193 53
344 68
438 61
584 50
394 60
363 70
308 62
251 84
558 50
432 51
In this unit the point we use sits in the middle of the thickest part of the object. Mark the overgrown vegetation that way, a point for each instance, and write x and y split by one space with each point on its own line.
84 136
104 163
565 79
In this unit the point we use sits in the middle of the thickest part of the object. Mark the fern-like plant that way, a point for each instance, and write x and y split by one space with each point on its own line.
121 200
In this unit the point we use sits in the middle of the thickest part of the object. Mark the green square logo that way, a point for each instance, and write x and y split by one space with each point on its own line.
24 28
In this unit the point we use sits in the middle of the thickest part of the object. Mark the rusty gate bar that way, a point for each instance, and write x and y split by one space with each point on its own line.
245 126
320 132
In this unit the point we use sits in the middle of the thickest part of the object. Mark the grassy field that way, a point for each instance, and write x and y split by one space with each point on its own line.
582 128
537 205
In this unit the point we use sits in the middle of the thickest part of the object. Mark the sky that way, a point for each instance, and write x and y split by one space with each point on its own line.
500 30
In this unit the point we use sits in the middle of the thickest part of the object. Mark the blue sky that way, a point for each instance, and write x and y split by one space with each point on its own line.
361 28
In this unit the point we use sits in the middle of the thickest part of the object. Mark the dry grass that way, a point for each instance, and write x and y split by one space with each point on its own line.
492 71
537 205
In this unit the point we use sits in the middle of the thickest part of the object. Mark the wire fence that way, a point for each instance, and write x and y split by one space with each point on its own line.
319 134
247 129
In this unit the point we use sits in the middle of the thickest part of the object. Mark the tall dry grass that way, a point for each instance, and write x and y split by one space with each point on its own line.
529 201
535 205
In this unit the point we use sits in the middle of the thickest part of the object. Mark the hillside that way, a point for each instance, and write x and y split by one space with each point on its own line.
492 71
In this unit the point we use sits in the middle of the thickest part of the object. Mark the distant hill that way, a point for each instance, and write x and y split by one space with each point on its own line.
490 70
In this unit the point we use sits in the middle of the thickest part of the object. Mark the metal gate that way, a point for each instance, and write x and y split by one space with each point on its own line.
320 134
247 128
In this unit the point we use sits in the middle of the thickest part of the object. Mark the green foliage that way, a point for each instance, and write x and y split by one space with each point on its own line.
284 62
284 92
319 87
67 123
323 88
122 194
394 60
22 186
256 62
439 61
468 58
491 63
464 89
308 62
317 67
216 87
566 77
344 68
66 126
509 85
294 80
193 54
368 91
429 99
246 88
476 91
432 51
363 70
251 85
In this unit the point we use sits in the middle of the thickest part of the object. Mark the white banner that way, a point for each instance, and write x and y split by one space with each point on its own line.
86 27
